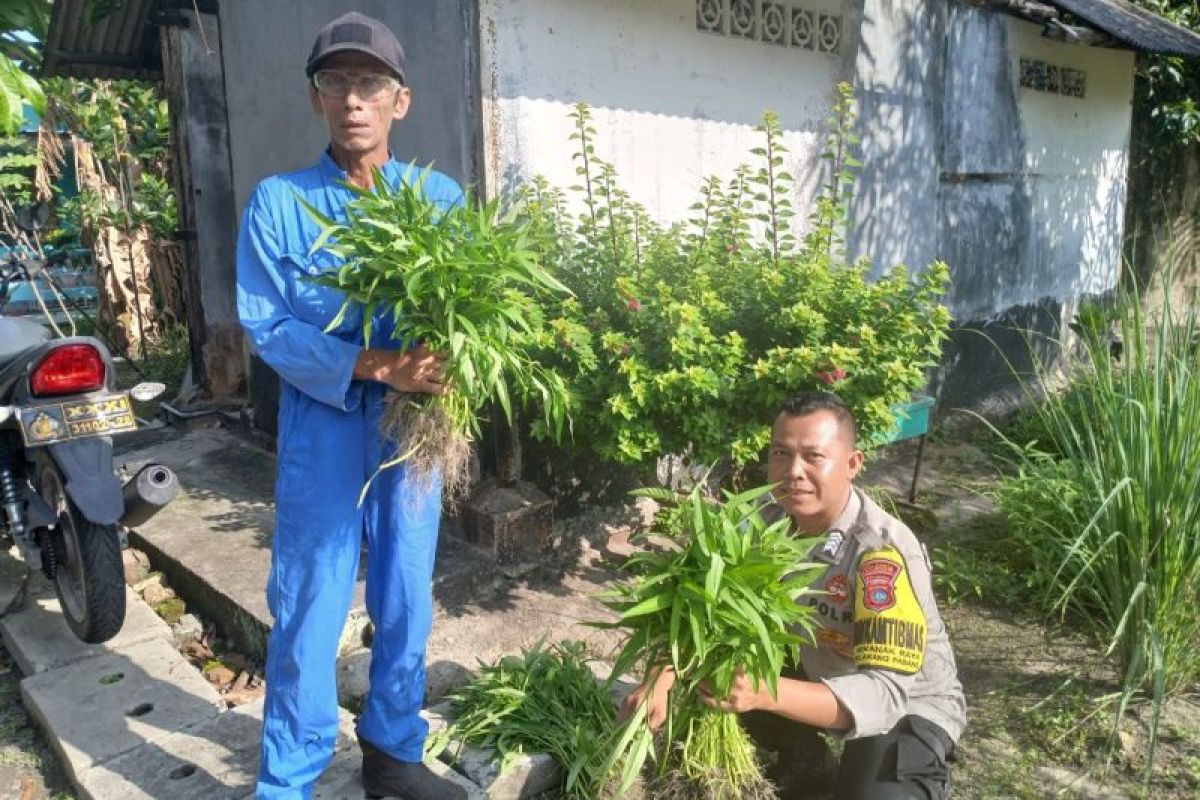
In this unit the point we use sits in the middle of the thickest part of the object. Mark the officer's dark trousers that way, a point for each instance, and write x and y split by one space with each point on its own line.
906 763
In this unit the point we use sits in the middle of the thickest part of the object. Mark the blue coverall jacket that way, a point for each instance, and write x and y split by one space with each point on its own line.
329 446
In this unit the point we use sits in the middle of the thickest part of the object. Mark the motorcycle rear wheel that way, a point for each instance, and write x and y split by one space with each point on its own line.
89 577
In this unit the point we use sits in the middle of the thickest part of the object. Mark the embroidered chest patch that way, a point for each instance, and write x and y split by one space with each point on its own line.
837 589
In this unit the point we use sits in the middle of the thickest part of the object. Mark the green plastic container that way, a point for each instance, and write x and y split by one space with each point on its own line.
912 420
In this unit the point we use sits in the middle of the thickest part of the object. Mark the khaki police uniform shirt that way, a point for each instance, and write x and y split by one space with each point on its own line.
882 647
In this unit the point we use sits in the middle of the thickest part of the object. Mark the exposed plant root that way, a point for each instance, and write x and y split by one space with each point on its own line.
422 430
675 785
716 760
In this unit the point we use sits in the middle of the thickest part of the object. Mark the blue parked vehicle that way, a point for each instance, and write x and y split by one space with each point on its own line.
21 299
74 279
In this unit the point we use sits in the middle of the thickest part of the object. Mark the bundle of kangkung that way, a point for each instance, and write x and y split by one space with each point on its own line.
466 282
725 602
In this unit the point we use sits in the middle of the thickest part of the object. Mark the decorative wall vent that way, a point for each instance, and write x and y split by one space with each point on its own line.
771 22
1043 77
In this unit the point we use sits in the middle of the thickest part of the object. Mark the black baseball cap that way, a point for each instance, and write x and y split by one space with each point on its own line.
360 33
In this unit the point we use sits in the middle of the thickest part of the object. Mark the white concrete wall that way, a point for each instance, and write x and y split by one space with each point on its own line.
900 92
1076 152
671 104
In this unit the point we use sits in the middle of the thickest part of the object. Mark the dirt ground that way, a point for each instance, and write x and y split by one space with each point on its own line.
1038 725
1035 729
28 768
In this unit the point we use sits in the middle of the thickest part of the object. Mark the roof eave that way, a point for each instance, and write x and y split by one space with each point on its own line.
1154 34
122 44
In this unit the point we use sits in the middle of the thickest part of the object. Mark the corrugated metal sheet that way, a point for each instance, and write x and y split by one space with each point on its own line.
1136 27
123 44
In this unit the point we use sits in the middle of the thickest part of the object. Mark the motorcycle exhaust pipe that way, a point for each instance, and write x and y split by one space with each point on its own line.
147 492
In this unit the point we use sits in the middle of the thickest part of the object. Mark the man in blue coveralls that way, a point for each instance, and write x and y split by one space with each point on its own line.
332 398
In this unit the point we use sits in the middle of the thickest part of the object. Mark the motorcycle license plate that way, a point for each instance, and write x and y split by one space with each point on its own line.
77 419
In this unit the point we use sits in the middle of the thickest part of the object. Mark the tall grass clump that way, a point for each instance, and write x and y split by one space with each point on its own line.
1106 503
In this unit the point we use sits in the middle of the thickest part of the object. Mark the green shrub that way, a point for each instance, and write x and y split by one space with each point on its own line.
686 338
167 359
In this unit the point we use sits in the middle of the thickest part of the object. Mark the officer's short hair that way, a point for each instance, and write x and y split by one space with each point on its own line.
805 403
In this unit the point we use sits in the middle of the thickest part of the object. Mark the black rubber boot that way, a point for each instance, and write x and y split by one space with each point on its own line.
384 776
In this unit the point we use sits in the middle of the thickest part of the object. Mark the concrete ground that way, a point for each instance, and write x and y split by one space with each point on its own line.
213 546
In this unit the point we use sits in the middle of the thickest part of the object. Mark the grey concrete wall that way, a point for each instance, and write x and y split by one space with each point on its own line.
272 127
983 200
1031 196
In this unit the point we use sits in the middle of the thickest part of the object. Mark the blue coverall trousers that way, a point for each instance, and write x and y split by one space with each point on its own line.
315 561
329 447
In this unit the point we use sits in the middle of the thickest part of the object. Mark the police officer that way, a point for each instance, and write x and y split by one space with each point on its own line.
881 673
332 397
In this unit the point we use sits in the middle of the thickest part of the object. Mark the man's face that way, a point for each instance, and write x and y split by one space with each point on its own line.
814 463
359 125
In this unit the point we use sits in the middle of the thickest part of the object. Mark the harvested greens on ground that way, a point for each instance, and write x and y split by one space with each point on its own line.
725 601
466 282
546 700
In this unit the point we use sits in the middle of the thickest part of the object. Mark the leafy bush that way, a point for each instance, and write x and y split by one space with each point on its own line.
1167 86
686 338
127 126
1108 505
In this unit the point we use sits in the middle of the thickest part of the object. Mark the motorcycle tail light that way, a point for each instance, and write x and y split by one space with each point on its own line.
70 369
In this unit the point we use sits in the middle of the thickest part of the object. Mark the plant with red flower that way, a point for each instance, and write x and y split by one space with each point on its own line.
831 375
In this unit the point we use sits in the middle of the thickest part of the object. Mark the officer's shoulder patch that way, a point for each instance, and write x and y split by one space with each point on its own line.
889 624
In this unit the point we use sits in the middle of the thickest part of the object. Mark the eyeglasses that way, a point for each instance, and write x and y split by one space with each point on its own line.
368 86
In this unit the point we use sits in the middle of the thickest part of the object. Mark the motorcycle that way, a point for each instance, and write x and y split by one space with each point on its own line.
61 501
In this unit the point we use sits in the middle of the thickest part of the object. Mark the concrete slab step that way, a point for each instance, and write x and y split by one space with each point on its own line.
100 708
213 542
218 760
38 638
527 776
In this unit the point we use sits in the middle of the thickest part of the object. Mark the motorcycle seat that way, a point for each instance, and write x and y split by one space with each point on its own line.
18 336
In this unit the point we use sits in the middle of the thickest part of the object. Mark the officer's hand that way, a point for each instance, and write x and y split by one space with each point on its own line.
415 370
743 695
654 692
